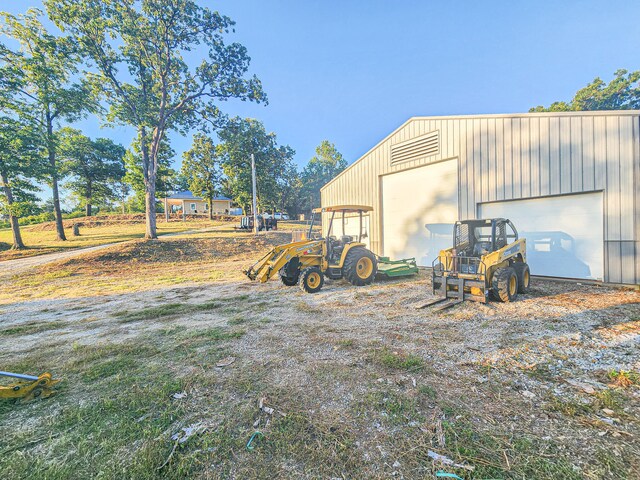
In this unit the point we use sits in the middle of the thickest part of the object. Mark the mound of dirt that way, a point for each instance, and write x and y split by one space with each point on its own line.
182 250
129 219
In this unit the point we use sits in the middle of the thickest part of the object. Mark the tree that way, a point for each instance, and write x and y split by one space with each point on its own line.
48 64
138 48
20 161
94 167
20 158
241 138
621 93
134 175
201 168
321 169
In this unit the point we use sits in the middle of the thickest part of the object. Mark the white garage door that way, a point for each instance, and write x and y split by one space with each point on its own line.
564 234
419 208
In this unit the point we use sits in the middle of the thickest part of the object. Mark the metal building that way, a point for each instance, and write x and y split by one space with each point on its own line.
569 181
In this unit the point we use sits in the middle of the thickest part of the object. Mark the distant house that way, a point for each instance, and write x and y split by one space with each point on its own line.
186 202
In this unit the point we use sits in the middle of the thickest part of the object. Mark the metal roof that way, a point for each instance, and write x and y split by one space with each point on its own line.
187 195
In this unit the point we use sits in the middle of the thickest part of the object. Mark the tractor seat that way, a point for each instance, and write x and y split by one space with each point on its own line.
481 248
346 239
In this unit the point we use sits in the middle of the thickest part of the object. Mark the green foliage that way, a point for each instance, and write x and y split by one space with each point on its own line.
201 168
46 93
621 93
138 48
134 176
327 163
274 163
94 166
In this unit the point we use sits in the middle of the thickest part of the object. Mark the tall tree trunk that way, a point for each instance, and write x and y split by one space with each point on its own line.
18 244
150 210
54 181
87 212
210 208
149 172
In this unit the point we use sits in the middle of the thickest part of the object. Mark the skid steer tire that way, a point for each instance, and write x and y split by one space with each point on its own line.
289 281
360 267
311 280
523 275
504 285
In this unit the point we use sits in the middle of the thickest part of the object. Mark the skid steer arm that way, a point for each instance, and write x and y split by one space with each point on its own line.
272 262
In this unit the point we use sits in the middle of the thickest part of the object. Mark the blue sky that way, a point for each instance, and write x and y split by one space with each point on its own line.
352 71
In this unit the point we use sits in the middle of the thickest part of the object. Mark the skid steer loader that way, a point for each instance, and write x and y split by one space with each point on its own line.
487 259
307 262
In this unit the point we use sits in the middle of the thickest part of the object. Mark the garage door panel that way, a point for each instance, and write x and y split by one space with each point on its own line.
419 207
564 234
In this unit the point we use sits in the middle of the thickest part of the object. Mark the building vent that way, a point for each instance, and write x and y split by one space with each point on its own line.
416 148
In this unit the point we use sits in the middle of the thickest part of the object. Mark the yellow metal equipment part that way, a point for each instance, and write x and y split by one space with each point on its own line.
487 257
307 262
29 387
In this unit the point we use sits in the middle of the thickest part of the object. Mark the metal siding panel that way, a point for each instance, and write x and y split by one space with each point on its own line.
614 262
471 170
516 149
491 159
463 162
625 128
508 159
525 155
628 262
554 156
565 155
636 169
545 168
499 163
534 156
588 155
613 179
576 154
600 152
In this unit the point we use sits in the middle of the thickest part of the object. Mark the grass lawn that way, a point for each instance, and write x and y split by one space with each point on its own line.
156 339
39 241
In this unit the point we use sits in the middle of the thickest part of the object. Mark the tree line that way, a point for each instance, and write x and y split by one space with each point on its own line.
125 62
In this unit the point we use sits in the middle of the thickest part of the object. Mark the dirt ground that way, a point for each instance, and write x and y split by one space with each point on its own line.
151 338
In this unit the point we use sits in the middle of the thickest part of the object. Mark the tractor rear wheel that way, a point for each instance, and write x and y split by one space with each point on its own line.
504 285
311 280
523 275
360 267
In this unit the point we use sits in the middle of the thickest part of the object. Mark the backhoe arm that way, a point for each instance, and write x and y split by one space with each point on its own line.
272 262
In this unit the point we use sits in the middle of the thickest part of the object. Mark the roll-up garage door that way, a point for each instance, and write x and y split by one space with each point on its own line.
565 236
419 208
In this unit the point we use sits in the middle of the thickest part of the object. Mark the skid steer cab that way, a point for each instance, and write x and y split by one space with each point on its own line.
487 259
306 263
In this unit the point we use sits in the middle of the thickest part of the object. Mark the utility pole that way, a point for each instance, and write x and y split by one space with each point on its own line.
253 183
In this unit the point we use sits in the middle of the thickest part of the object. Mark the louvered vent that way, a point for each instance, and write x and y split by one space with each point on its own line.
416 148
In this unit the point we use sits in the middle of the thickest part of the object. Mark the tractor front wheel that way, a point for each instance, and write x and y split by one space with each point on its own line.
523 275
311 280
360 267
288 281
504 285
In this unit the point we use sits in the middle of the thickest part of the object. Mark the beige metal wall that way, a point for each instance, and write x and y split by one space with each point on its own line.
506 157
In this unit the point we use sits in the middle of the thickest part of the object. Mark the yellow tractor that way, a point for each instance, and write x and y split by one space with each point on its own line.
307 262
487 258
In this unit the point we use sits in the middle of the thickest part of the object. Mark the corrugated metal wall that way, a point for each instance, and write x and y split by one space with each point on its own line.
508 157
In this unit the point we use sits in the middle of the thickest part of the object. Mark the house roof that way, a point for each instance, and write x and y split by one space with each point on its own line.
187 195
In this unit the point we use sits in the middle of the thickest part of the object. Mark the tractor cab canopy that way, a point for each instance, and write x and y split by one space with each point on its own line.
344 210
474 238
